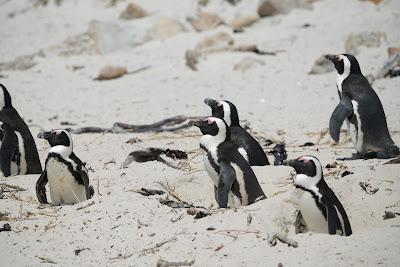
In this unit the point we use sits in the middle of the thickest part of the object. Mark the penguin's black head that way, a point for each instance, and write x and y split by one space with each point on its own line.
345 63
6 108
57 137
224 110
308 169
213 129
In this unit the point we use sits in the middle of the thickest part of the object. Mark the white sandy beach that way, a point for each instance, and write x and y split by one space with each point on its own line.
277 98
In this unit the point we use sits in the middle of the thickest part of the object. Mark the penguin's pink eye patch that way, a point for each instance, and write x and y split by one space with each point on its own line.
219 103
57 132
305 160
209 120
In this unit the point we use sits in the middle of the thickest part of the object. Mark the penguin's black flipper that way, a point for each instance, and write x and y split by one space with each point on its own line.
332 218
227 176
341 112
41 188
81 169
7 150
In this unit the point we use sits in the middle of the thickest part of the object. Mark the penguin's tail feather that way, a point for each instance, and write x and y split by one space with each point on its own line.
90 191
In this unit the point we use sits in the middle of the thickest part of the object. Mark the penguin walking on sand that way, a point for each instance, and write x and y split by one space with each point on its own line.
235 183
248 146
362 110
64 171
321 209
18 153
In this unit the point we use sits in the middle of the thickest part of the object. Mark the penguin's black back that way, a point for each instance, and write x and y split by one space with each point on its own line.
228 152
329 198
373 120
241 138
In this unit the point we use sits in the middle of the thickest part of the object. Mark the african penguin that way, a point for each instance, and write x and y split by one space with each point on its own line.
18 153
248 146
66 174
235 183
362 110
321 209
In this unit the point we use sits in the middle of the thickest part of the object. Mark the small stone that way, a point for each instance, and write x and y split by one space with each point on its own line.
366 39
109 72
191 211
245 21
205 21
192 59
248 63
265 9
389 215
133 11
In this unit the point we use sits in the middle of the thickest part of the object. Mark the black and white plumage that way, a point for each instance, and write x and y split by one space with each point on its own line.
64 171
18 152
319 206
248 146
235 183
362 110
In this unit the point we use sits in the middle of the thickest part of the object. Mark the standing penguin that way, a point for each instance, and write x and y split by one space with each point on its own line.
18 146
248 146
361 108
66 174
319 206
235 183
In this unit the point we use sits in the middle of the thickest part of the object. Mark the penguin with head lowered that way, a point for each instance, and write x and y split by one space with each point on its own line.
321 209
248 146
362 110
64 171
18 153
235 183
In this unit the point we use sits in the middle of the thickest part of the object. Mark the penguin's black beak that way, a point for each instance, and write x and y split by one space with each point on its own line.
332 58
211 102
44 135
198 123
290 163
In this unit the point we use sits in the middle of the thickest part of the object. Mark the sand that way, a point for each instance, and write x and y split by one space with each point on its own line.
279 100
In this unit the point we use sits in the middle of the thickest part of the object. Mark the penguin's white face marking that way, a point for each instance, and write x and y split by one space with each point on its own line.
309 182
23 166
243 152
346 71
227 112
212 141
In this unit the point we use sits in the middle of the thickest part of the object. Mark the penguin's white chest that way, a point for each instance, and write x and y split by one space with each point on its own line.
63 187
313 217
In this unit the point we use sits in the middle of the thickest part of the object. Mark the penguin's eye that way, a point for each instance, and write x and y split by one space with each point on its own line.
219 103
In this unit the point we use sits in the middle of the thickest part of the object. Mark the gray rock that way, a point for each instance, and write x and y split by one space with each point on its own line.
366 39
248 63
205 21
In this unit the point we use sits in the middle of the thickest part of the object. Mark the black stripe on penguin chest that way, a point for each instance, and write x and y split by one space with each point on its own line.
69 165
215 165
320 206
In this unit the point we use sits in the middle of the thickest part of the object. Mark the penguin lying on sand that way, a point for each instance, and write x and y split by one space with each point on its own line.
18 153
248 146
235 183
321 209
362 110
66 174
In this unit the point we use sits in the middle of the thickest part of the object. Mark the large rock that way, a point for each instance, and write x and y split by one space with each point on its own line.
273 7
245 21
133 11
205 21
366 39
110 36
216 42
